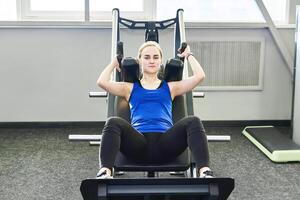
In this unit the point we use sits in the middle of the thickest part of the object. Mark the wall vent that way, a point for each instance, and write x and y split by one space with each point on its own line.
230 64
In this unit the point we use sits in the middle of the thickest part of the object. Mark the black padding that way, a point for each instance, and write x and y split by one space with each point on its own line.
179 110
122 108
130 70
181 163
129 73
173 70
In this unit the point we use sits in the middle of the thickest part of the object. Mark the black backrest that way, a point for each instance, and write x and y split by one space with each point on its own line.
130 73
173 72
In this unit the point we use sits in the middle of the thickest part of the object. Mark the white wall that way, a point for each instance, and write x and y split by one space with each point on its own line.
46 74
272 103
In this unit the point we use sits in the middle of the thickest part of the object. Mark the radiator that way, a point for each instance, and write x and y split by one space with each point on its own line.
230 64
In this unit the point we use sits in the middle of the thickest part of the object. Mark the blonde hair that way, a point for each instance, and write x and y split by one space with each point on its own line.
149 44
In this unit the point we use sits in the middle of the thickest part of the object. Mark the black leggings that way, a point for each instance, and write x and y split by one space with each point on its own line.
119 135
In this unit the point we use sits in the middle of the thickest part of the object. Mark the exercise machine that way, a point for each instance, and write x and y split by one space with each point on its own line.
275 145
151 187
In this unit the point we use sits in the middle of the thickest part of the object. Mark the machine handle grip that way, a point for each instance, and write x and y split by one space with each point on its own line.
120 53
182 47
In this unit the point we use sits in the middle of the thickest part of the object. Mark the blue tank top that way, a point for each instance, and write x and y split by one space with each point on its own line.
151 110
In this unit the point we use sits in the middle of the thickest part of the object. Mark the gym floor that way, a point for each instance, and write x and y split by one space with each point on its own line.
40 163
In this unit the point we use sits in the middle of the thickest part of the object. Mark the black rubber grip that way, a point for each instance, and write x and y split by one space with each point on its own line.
182 47
120 53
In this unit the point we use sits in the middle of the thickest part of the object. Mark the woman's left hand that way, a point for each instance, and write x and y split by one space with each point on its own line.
185 53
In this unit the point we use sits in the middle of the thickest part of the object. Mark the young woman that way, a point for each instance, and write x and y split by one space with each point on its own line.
151 136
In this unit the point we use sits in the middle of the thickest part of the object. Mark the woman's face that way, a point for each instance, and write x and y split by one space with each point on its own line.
150 60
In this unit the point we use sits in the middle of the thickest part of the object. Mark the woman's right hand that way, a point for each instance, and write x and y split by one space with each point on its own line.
115 63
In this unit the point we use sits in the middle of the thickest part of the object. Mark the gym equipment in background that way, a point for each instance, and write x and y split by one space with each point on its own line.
275 145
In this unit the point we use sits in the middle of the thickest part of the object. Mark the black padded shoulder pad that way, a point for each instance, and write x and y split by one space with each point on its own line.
130 70
173 70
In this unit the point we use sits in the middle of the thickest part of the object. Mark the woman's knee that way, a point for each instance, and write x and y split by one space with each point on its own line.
194 119
113 125
112 121
195 122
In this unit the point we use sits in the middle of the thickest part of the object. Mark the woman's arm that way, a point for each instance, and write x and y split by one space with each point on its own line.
116 88
180 87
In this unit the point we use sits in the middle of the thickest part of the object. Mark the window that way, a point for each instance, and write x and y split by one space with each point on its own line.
223 10
133 9
75 9
195 10
278 10
52 9
55 5
8 10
